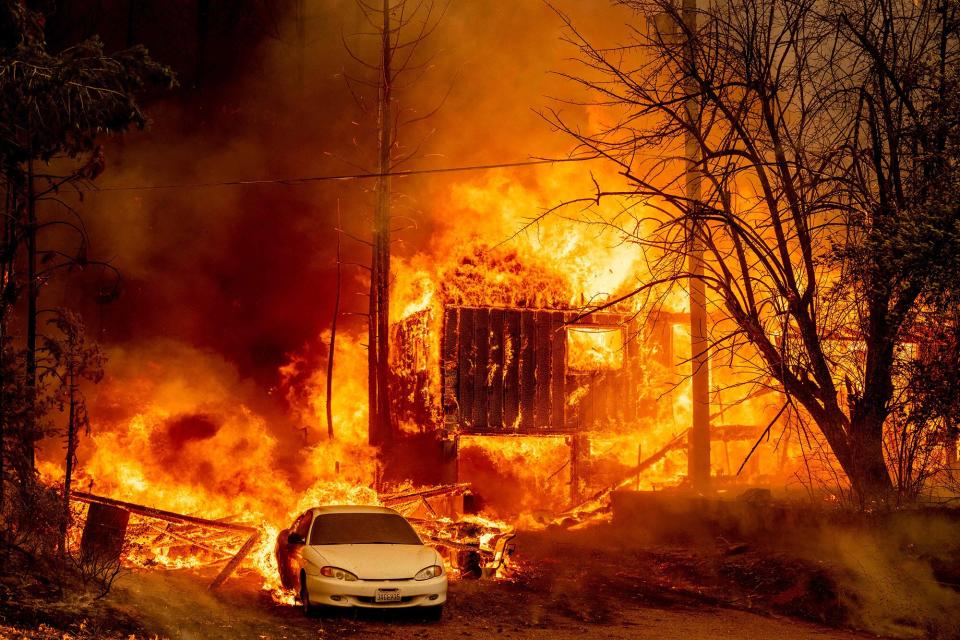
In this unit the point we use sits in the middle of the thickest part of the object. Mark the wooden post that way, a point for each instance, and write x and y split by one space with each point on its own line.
579 452
450 460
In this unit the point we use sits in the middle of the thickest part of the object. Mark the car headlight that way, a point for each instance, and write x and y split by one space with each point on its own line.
339 574
430 572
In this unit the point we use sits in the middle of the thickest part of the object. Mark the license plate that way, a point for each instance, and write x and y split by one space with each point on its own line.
387 595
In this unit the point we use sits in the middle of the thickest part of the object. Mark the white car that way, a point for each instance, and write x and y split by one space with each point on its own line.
351 556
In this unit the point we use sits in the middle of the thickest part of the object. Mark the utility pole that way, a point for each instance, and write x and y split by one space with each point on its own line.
698 443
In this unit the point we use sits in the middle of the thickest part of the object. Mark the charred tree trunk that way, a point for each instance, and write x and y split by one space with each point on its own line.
33 294
373 427
6 286
71 455
333 333
869 412
381 431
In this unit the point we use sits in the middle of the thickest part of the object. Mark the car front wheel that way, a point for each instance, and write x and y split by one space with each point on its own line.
309 610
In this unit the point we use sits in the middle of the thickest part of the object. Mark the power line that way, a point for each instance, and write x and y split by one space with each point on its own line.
342 177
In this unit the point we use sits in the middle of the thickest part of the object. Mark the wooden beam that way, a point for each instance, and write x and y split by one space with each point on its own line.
235 561
160 514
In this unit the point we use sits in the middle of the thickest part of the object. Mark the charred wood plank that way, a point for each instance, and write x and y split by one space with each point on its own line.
543 358
496 378
466 362
159 514
528 371
183 539
558 375
448 366
571 384
481 338
511 369
450 489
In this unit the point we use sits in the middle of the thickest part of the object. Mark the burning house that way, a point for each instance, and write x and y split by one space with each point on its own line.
479 374
527 372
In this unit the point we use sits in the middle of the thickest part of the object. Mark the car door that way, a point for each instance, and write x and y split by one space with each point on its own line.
289 553
301 528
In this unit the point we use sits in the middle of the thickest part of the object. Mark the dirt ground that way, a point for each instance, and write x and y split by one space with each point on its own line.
178 606
894 575
569 585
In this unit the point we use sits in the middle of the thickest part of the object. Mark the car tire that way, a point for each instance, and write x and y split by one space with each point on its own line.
309 610
433 614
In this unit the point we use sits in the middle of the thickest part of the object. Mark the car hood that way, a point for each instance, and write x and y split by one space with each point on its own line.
375 561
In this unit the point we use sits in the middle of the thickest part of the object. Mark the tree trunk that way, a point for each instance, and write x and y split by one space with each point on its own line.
333 334
71 454
373 421
698 448
6 276
868 471
381 431
33 294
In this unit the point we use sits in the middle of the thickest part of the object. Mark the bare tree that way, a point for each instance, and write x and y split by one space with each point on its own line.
400 27
820 129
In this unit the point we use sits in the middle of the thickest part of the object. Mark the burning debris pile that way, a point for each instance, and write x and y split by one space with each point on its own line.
144 537
164 539
473 545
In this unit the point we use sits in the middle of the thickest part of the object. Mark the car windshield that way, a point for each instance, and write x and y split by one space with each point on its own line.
362 528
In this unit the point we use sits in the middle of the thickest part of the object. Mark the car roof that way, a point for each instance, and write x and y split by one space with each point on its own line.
351 508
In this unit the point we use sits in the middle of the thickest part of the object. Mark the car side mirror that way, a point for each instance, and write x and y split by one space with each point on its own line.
295 538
